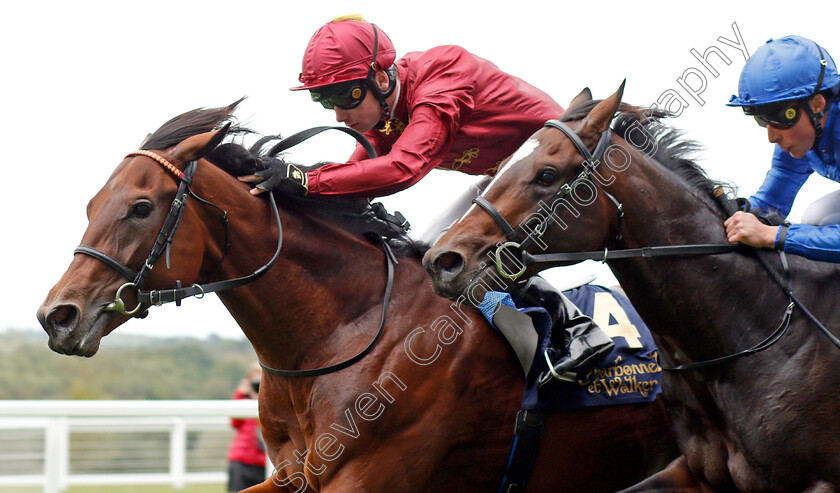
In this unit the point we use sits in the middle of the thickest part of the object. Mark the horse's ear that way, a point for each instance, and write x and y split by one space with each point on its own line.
598 120
199 145
584 96
146 139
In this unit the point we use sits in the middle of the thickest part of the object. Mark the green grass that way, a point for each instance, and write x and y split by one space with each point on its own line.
200 488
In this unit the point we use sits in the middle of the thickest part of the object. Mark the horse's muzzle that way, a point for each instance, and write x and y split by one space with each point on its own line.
68 333
447 270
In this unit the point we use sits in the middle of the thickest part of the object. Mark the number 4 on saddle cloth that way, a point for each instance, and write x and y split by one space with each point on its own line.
629 373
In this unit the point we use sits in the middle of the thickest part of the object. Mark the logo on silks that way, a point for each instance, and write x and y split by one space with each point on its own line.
630 373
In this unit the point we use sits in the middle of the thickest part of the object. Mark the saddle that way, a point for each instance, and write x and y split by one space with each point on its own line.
629 374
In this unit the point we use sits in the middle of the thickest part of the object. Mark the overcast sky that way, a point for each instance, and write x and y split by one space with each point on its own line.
83 82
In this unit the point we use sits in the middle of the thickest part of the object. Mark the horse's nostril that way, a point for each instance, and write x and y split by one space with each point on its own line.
63 317
449 262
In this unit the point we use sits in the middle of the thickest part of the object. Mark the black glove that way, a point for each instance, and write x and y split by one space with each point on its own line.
282 176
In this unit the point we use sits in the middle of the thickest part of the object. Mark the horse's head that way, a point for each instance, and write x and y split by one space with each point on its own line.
545 184
126 218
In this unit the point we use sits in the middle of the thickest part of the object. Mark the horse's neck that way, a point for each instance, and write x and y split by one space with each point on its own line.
661 208
679 296
302 299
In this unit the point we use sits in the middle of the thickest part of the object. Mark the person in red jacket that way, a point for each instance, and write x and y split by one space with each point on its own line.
442 108
246 455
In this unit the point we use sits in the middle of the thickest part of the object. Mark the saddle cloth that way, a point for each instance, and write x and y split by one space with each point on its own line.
629 374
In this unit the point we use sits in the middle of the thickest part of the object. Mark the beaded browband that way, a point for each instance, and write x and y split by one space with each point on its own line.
163 162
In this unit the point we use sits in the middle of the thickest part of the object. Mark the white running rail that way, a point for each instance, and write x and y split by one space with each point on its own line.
53 423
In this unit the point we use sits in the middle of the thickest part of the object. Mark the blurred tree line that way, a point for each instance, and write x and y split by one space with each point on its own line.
126 367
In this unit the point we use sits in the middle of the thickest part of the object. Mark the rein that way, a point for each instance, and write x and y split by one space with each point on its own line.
783 327
170 226
389 260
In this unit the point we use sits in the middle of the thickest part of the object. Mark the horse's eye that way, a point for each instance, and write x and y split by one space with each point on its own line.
546 177
141 209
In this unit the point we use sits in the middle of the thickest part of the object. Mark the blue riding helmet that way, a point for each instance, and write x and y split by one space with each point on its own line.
785 69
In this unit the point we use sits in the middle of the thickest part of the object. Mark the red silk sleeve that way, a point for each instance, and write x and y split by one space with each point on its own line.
420 148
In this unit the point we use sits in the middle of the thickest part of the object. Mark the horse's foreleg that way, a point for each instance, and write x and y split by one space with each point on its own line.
676 478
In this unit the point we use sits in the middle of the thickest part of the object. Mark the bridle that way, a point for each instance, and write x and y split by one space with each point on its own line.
162 245
522 259
590 162
170 226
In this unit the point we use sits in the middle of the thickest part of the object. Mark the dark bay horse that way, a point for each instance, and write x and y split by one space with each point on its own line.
430 408
766 422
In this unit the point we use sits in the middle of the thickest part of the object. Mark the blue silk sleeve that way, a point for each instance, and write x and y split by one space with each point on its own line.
782 183
814 242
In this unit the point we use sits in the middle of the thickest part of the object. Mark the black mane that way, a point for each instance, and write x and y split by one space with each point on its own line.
355 214
672 150
190 124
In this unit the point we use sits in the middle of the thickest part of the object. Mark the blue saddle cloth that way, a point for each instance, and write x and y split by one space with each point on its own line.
629 374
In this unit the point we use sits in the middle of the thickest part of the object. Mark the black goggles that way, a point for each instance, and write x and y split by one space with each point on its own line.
345 95
782 118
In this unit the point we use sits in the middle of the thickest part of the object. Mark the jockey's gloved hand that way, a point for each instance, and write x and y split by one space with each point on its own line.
278 175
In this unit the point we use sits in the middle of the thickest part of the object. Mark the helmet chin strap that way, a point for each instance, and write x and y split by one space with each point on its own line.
382 96
386 115
815 117
815 121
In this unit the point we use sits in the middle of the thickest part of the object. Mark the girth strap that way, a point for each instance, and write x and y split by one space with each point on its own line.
523 452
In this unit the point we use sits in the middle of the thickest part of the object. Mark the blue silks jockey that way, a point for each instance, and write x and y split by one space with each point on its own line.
785 79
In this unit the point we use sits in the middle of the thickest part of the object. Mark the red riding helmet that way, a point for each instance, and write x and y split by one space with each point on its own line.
343 50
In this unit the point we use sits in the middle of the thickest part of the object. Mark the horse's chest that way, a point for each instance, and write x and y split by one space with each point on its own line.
758 436
722 462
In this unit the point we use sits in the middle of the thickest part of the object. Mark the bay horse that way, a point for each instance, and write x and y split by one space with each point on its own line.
763 422
430 408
